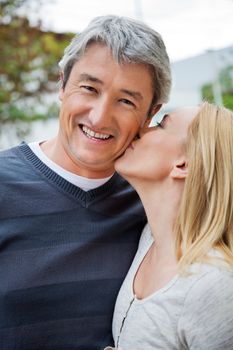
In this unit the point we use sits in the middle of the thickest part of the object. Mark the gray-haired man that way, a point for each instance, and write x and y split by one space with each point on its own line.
69 224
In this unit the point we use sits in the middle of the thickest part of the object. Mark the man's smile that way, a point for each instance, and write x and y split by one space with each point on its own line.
94 135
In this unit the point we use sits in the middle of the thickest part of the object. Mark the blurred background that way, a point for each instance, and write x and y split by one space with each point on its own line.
34 33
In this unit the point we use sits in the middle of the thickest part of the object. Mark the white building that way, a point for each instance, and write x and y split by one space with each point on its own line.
190 74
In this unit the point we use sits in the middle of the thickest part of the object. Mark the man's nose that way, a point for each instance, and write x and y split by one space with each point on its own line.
101 113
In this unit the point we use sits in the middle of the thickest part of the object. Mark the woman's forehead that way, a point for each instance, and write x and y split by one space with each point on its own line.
187 112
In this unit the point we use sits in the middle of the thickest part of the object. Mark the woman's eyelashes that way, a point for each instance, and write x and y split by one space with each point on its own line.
159 124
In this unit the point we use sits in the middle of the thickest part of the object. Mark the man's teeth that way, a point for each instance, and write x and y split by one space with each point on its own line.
96 135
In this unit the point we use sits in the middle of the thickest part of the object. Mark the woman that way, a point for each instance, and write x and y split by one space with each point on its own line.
178 293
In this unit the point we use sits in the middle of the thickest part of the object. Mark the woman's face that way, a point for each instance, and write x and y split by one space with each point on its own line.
153 156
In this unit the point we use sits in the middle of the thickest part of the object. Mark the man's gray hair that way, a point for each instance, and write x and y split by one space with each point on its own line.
129 41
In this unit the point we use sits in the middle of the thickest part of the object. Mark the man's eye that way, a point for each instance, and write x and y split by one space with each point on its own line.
89 88
127 102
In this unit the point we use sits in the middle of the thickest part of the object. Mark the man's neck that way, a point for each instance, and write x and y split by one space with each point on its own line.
54 151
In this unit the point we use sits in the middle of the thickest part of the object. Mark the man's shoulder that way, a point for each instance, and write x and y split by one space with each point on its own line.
8 155
122 199
12 162
13 151
5 153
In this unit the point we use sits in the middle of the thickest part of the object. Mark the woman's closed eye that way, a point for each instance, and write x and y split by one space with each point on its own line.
160 123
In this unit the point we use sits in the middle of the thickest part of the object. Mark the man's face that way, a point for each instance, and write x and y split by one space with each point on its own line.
103 106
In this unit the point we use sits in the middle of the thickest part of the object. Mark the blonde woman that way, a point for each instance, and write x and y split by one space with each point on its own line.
178 293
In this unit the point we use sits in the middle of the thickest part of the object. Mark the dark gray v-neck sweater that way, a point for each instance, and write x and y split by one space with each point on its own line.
63 255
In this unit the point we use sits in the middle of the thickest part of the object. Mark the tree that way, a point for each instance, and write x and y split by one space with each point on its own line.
226 83
29 68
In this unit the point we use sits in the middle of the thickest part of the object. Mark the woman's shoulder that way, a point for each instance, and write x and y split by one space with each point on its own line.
208 302
209 285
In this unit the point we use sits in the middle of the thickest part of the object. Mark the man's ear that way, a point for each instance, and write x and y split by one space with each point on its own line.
155 109
61 90
147 122
179 169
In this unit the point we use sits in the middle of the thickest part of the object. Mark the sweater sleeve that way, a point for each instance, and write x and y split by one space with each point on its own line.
207 318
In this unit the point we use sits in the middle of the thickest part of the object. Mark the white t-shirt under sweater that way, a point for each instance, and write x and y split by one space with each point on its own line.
84 183
191 312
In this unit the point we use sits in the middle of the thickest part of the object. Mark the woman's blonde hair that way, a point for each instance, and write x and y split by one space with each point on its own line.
205 219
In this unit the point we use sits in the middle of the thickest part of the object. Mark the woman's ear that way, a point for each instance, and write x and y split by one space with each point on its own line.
179 169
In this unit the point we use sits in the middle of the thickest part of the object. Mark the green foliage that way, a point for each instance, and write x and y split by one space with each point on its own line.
29 66
8 8
228 100
207 93
226 79
226 83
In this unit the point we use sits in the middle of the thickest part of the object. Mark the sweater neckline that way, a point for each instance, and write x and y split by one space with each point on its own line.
66 186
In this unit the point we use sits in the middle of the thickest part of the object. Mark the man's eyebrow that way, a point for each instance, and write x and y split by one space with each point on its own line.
135 94
88 77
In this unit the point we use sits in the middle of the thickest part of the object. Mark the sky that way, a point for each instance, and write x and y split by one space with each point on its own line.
188 27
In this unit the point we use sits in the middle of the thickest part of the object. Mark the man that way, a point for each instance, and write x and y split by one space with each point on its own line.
69 224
